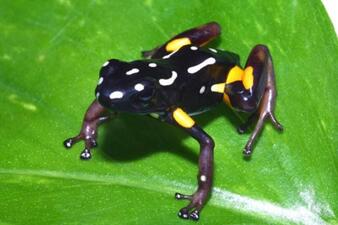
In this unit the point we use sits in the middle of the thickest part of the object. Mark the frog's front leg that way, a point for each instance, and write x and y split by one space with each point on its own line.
197 200
260 59
95 115
255 93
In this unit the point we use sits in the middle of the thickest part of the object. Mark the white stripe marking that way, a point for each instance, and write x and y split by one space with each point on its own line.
213 50
168 56
116 95
154 115
208 61
194 48
169 81
100 81
132 71
105 64
152 64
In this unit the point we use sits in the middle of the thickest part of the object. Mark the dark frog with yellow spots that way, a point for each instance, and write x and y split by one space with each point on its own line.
181 78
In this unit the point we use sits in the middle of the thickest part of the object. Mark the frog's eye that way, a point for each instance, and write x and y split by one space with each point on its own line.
145 92
146 95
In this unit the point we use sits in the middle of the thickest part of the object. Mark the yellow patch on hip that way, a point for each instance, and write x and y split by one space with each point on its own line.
183 119
177 44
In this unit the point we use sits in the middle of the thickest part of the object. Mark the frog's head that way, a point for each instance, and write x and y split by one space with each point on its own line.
129 92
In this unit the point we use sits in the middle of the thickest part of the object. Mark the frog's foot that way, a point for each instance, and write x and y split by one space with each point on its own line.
265 113
90 142
95 115
87 134
193 209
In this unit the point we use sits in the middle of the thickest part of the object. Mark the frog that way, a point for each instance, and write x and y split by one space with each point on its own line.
177 80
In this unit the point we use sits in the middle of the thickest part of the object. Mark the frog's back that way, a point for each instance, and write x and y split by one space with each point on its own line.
181 79
194 71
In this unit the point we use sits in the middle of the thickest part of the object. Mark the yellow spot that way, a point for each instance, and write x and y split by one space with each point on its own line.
226 99
177 44
238 74
235 74
219 88
248 77
183 119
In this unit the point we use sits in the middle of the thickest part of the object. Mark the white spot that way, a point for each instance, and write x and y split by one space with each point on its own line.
213 50
168 56
152 64
169 81
203 178
202 90
116 95
185 216
139 87
100 81
97 94
132 71
208 61
105 64
194 48
68 144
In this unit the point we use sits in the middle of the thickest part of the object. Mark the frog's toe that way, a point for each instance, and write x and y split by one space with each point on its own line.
275 122
180 196
247 151
195 215
192 211
241 129
185 213
68 143
86 154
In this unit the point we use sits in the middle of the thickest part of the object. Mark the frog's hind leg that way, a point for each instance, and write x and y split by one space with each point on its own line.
198 199
255 92
198 36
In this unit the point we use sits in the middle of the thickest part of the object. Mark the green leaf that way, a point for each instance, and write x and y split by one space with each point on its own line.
50 54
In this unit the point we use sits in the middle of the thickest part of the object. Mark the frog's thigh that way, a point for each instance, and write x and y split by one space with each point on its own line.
198 36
